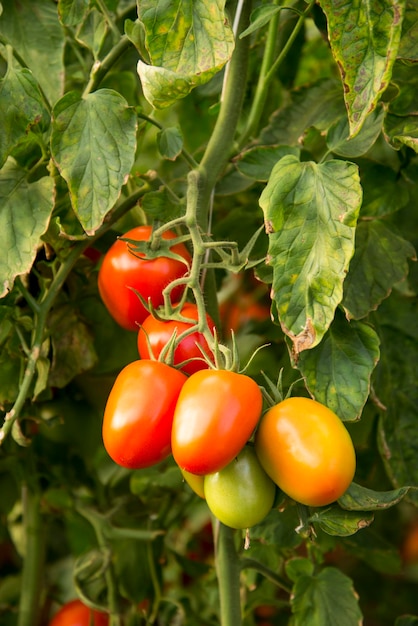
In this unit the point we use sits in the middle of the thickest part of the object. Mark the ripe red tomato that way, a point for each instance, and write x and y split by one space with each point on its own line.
158 333
216 413
241 494
75 613
122 271
306 450
139 413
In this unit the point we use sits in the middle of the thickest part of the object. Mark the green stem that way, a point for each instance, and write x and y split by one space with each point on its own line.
266 572
100 68
32 583
228 572
261 91
269 70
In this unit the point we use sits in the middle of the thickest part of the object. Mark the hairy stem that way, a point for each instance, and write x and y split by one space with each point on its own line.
228 572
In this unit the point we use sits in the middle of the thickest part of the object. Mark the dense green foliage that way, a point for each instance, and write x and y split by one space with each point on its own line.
278 139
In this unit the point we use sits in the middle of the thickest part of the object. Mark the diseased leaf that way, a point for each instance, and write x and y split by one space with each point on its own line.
21 108
93 144
338 523
257 163
187 43
33 30
380 261
338 137
25 212
408 47
310 214
72 347
358 498
318 105
331 593
364 36
338 371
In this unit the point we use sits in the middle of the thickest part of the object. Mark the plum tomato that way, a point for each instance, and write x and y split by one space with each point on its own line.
306 450
241 494
139 413
75 613
216 413
156 334
122 272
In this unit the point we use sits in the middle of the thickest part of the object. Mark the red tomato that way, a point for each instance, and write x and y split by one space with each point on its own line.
237 313
139 413
122 271
158 333
306 450
75 613
216 413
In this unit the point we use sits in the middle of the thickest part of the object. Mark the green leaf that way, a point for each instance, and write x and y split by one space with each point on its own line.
93 144
92 32
260 17
402 130
24 217
71 12
396 387
380 261
364 36
332 594
310 214
337 372
257 163
21 108
187 42
384 191
170 143
338 137
159 205
358 498
339 523
297 567
279 529
408 47
318 105
34 31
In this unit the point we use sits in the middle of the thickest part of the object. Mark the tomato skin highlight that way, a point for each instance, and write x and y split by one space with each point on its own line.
75 613
122 271
158 333
241 494
306 450
139 413
216 413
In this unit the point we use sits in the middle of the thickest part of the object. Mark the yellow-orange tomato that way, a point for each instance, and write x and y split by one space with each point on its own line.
306 450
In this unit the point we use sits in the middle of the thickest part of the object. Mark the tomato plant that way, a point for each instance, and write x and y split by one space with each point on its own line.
241 494
75 613
139 413
124 272
306 449
271 149
215 415
155 334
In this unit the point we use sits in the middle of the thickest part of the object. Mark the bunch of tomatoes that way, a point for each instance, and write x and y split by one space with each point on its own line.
212 421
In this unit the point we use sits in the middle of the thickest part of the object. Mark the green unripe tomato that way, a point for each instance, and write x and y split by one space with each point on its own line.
241 494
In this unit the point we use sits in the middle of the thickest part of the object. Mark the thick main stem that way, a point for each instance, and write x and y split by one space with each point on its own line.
228 572
32 572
